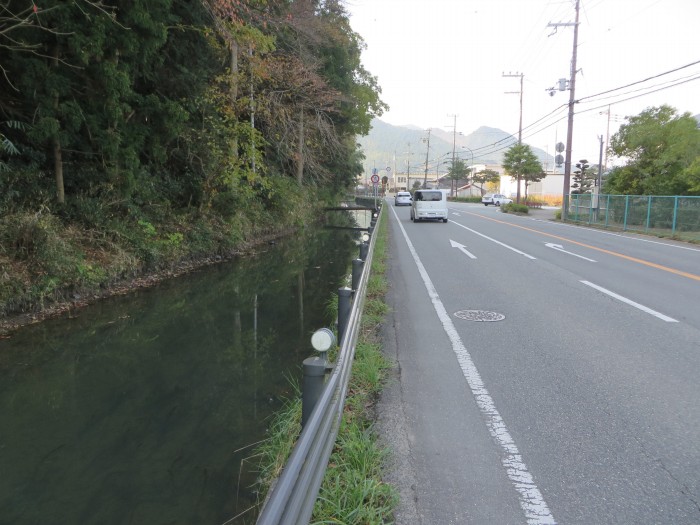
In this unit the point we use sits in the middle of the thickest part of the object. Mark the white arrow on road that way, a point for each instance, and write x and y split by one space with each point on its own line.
560 248
462 248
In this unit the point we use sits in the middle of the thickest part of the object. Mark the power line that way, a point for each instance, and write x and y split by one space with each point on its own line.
640 81
670 83
643 94
540 130
485 151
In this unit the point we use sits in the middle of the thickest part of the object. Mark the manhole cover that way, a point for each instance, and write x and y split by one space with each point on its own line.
479 315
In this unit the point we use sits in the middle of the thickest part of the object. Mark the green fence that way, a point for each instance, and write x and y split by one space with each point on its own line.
669 216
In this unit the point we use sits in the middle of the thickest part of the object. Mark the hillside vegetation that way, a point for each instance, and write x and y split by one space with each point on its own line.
142 137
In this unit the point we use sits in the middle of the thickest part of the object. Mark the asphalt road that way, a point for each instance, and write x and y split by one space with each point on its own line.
544 372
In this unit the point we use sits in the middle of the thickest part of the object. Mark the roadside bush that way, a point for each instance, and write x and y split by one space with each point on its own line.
23 186
202 237
39 239
514 207
473 199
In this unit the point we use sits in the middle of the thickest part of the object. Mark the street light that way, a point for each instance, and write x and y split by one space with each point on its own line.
472 154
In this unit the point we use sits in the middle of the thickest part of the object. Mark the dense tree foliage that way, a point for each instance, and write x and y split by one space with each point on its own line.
181 101
152 131
662 153
521 163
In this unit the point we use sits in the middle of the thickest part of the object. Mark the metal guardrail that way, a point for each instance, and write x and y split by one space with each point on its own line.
292 499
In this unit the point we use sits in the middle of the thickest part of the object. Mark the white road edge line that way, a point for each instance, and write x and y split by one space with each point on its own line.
494 240
531 499
631 302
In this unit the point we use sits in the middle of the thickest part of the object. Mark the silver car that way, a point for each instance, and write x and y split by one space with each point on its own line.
402 198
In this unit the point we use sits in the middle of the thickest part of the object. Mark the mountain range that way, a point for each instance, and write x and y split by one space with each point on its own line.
399 147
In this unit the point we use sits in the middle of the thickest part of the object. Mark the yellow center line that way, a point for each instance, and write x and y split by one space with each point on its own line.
602 250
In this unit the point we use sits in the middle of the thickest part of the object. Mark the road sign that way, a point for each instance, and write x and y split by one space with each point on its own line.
375 179
388 169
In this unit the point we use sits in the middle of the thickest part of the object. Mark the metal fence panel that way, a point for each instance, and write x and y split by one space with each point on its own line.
671 216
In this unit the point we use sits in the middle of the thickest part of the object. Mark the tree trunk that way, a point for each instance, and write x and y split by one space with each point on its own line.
234 72
56 144
300 149
234 97
58 169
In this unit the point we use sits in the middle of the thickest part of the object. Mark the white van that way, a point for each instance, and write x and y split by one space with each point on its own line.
429 204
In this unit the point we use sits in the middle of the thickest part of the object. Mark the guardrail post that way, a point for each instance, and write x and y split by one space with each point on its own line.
357 266
364 249
312 386
344 307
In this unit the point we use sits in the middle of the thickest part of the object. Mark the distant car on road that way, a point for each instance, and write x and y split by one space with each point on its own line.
496 199
402 198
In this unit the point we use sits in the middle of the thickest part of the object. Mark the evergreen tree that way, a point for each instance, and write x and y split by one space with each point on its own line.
583 179
520 163
457 172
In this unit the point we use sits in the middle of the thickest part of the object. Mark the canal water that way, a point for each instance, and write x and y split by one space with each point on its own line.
142 409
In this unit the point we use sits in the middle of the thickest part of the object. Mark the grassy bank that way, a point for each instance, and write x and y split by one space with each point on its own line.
52 260
352 491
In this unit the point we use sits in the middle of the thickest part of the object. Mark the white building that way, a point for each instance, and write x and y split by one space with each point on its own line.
552 184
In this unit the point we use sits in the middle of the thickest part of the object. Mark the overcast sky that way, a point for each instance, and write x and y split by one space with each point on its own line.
437 58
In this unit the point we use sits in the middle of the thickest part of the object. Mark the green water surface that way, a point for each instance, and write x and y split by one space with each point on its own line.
141 409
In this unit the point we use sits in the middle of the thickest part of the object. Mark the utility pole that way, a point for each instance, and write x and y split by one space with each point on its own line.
454 140
607 140
408 168
520 124
600 164
427 152
572 101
